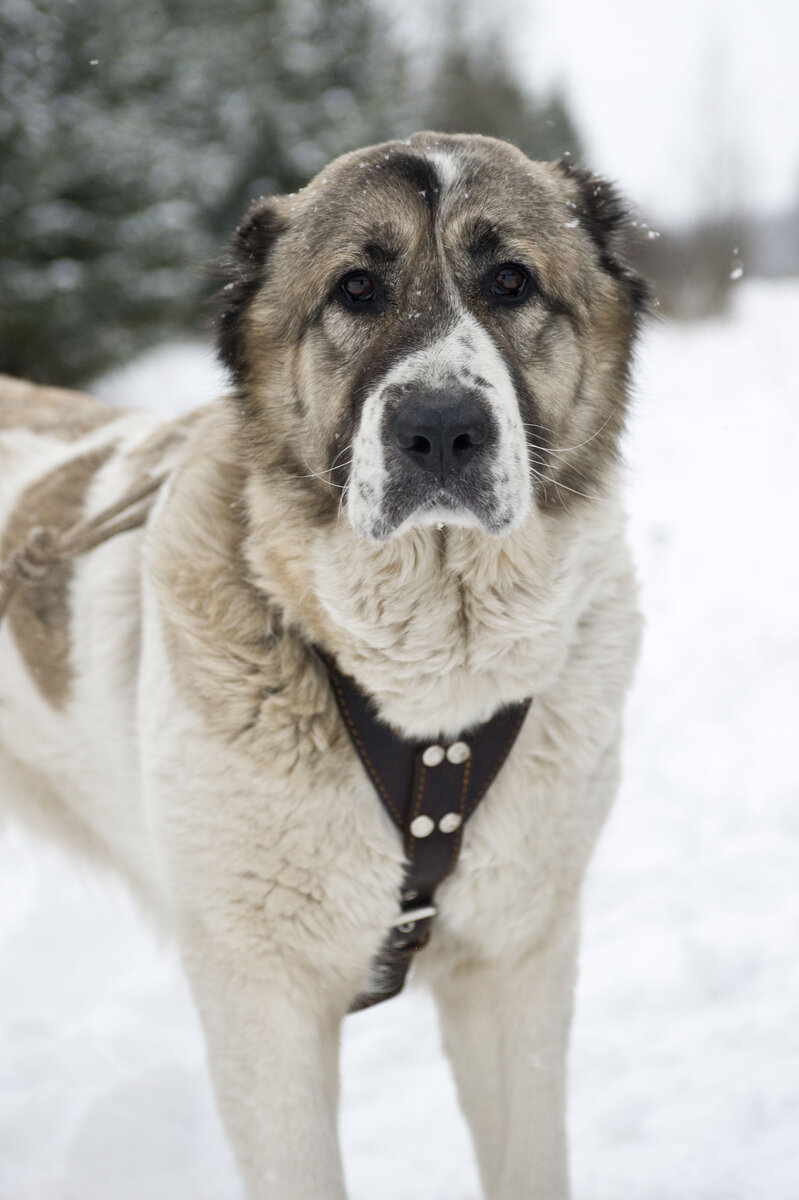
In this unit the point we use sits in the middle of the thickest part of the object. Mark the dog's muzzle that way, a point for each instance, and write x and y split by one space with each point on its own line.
443 455
439 433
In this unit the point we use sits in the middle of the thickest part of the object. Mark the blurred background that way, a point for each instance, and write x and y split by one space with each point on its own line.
132 136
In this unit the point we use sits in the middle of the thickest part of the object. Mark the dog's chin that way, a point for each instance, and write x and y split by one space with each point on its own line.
495 520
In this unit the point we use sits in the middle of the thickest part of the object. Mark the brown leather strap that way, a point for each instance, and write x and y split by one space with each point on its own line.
429 790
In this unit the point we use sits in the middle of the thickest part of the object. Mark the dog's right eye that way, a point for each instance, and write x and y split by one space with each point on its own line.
358 288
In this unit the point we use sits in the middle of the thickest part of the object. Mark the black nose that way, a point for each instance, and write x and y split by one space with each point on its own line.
440 431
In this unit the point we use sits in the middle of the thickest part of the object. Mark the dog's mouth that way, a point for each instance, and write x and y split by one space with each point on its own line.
412 502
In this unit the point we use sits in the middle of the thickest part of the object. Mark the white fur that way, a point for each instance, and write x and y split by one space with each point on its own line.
446 165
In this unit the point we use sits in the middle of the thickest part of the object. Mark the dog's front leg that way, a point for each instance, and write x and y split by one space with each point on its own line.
273 1056
505 1024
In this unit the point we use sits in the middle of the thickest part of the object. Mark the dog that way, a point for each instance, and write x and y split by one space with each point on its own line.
416 478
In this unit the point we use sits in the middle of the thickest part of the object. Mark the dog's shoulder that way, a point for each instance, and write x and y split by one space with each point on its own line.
237 658
65 458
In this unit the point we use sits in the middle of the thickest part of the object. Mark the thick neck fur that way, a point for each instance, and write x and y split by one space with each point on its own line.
440 627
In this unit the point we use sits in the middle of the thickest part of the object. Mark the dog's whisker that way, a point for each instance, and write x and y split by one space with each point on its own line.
558 484
543 463
319 474
579 445
344 450
534 425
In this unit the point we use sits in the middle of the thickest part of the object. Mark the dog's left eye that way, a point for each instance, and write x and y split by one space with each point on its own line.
508 282
359 287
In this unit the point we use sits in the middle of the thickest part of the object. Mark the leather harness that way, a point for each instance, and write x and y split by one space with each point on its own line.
429 790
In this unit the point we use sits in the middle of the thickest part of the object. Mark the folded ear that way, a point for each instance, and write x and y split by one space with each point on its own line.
604 214
243 269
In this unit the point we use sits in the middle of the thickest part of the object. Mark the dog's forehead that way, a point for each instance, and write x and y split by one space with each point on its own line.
402 190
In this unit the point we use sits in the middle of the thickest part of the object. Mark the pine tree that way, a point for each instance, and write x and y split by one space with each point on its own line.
131 138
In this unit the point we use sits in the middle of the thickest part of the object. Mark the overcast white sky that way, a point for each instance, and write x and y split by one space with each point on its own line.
686 102
689 104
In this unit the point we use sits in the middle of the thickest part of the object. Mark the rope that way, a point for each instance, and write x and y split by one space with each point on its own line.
47 546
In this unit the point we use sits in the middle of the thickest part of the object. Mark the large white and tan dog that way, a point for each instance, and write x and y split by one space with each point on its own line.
416 471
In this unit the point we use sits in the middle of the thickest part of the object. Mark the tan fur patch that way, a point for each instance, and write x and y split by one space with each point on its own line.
39 613
254 680
66 415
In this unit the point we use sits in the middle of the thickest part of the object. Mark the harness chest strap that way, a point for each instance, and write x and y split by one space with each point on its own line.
429 791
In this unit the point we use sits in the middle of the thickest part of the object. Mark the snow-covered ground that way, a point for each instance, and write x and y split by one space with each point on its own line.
685 1056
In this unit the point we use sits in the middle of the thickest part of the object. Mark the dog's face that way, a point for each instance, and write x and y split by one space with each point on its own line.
435 330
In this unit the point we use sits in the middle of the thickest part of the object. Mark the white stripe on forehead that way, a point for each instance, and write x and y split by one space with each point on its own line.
446 166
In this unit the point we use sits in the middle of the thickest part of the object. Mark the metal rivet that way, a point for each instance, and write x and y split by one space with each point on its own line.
422 827
450 822
433 755
458 753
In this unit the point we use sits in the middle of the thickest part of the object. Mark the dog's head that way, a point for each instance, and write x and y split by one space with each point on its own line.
435 330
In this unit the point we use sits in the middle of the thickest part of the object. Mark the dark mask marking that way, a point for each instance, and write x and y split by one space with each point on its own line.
243 270
419 172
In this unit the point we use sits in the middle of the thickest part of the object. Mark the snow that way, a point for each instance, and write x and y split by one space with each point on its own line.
685 1055
169 378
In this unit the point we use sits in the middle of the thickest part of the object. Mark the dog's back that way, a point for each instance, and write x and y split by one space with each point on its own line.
63 457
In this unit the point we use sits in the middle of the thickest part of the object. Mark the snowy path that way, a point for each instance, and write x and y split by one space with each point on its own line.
685 1057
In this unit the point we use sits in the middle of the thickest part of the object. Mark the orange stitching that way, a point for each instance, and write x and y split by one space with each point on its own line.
464 789
419 792
417 804
461 811
372 769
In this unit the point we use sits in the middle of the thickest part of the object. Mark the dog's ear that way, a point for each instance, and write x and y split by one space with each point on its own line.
242 270
606 217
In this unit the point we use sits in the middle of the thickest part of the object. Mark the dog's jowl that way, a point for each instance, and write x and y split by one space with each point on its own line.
407 507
